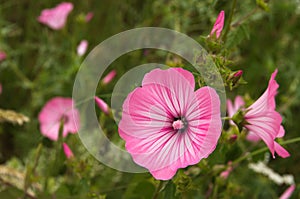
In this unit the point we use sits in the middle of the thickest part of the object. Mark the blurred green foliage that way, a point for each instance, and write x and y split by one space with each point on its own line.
42 63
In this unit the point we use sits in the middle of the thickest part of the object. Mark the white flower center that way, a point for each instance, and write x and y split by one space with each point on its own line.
178 125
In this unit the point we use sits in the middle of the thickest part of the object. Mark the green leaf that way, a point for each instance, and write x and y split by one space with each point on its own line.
237 35
170 190
10 193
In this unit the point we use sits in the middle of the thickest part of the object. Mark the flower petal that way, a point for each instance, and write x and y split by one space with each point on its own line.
267 100
180 82
287 194
265 126
204 119
53 112
281 151
252 137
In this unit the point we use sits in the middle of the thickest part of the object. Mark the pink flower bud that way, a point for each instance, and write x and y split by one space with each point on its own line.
81 49
89 16
287 194
68 152
109 77
102 105
226 173
218 26
238 73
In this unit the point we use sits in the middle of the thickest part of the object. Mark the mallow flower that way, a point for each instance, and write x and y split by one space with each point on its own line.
262 120
167 125
58 112
56 18
218 26
233 108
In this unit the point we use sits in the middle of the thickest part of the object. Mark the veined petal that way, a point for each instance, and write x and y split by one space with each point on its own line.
205 120
267 100
179 81
281 151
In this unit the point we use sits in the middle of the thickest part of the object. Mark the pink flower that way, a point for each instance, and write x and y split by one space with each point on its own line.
218 26
226 173
89 16
287 194
55 111
233 108
2 56
0 88
68 152
110 76
56 17
166 125
264 121
81 48
102 105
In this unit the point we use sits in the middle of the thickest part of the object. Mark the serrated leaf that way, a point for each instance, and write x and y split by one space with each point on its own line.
236 36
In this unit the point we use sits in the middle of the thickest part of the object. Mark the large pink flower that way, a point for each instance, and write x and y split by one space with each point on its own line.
166 125
55 111
218 26
264 121
56 17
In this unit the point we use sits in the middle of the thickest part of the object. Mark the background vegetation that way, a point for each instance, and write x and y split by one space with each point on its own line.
41 63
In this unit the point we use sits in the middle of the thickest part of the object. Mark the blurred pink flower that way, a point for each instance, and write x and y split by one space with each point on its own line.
68 152
0 88
56 17
233 108
218 26
264 121
2 56
58 110
89 16
166 125
226 173
110 76
102 105
82 47
287 194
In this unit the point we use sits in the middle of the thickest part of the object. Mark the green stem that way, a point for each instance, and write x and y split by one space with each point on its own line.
256 152
245 18
215 191
229 20
226 118
158 189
